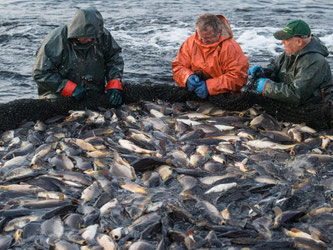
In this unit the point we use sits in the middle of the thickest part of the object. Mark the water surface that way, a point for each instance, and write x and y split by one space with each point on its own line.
150 32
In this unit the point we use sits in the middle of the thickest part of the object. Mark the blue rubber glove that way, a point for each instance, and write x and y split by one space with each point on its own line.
79 92
192 82
115 97
261 84
256 71
202 90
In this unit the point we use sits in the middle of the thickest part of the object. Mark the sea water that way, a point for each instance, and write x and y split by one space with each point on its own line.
150 32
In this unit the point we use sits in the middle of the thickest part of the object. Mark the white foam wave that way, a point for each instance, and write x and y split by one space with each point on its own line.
171 37
165 38
328 41
256 41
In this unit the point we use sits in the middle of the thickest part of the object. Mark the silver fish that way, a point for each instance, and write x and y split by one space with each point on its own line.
196 160
209 180
226 147
40 126
74 221
158 124
107 207
221 187
52 228
41 152
164 171
122 168
262 225
132 187
179 158
266 122
268 144
18 172
24 149
295 134
189 122
62 161
117 233
91 192
305 129
64 245
75 115
188 182
134 148
156 113
141 245
20 222
89 232
106 242
86 146
15 162
209 211
143 221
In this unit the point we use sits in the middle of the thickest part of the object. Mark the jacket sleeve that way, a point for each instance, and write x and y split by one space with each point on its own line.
46 68
181 65
234 67
307 78
113 59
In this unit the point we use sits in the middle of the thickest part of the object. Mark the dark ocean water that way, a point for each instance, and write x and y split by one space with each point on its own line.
150 32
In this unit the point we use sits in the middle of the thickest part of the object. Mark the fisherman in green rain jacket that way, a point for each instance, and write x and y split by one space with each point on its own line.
80 57
300 75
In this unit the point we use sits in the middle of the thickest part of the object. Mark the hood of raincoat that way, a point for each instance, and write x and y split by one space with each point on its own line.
315 46
61 58
86 23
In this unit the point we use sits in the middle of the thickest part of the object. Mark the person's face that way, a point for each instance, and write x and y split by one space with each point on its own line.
292 45
208 36
84 40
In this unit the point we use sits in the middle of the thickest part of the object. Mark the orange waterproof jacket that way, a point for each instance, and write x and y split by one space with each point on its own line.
223 62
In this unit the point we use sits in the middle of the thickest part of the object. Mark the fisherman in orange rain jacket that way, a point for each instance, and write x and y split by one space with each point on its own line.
211 61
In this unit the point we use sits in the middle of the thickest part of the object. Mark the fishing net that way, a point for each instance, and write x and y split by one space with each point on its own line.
315 115
13 114
148 92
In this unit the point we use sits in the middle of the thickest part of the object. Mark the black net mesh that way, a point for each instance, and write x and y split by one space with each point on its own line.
14 113
315 115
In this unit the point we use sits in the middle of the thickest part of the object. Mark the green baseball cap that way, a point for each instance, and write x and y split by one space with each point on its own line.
294 28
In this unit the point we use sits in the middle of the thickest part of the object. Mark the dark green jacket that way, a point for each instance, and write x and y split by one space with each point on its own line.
61 58
301 78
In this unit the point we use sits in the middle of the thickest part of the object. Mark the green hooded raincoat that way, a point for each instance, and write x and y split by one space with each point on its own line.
301 78
61 58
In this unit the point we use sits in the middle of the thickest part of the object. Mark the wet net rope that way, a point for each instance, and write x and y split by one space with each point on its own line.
15 113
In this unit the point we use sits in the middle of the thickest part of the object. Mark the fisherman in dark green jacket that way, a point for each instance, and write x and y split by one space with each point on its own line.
80 57
301 75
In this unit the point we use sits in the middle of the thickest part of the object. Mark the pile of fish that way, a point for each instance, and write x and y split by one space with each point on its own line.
159 175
